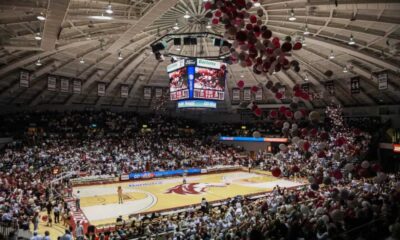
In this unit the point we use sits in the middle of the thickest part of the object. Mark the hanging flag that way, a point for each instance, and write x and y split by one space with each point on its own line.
236 94
383 81
101 89
330 87
64 85
77 86
259 94
51 83
147 93
124 91
355 85
159 92
24 78
247 94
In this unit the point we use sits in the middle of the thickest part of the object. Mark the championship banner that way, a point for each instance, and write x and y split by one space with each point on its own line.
330 87
235 94
355 85
259 95
247 94
101 89
24 79
77 86
305 87
64 85
383 81
159 92
51 83
124 91
147 93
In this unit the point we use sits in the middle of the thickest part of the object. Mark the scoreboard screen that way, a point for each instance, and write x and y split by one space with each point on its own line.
196 79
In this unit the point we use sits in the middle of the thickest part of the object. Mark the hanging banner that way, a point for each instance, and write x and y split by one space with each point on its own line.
259 95
124 91
355 85
77 86
101 89
305 87
24 79
383 81
330 87
64 85
247 94
235 94
159 92
51 83
147 93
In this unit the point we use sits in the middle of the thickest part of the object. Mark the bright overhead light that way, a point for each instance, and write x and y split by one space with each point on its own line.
331 55
208 26
38 37
41 17
257 4
109 9
292 17
351 40
81 61
186 15
176 27
303 42
102 17
345 69
88 37
306 32
306 77
274 72
38 62
120 55
178 49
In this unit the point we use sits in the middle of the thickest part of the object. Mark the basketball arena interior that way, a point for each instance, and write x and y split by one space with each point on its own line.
199 119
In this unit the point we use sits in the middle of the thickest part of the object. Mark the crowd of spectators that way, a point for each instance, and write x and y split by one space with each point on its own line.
345 191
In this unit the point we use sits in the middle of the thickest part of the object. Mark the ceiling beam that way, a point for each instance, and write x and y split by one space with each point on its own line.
155 12
56 13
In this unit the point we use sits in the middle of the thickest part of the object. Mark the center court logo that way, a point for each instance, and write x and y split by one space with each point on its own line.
193 188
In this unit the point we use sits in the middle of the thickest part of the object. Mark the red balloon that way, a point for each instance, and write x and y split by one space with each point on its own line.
240 84
288 113
258 112
314 132
297 46
254 89
279 95
208 5
295 169
298 93
282 109
273 114
253 19
276 172
305 96
304 131
306 146
218 13
215 21
321 154
340 141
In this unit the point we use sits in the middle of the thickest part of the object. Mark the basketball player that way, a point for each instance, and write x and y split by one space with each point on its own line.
120 200
184 178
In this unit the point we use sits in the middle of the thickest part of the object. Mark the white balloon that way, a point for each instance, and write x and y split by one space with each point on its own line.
295 140
294 126
365 164
286 125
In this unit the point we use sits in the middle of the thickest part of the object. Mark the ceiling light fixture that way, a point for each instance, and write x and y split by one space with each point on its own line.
41 17
292 17
345 69
186 15
178 49
81 61
257 4
306 77
176 27
208 26
331 55
303 41
274 72
351 40
109 9
102 17
38 37
120 55
38 62
306 32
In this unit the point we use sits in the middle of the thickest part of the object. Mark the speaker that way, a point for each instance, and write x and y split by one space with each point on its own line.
217 42
177 41
157 47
